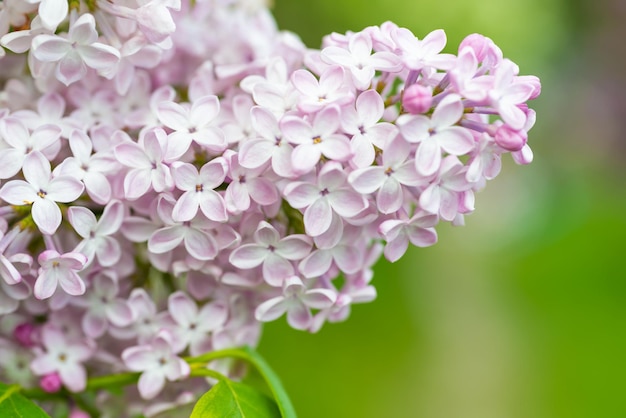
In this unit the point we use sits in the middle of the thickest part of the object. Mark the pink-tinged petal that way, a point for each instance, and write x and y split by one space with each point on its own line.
305 82
294 247
65 189
336 147
42 365
187 206
396 152
407 174
10 162
448 112
255 153
52 13
15 133
414 128
119 313
266 234
137 183
18 192
47 215
213 206
81 145
299 316
185 176
428 157
46 284
166 239
212 138
456 140
430 199
212 316
182 308
204 110
50 48
137 229
248 256
347 203
390 196
262 191
348 258
512 115
152 141
73 260
319 298
316 264
173 115
109 251
212 174
337 55
396 248
200 245
151 382
237 197
362 151
327 121
111 219
367 180
282 161
370 107
332 236
449 205
72 284
305 156
36 170
317 217
71 68
138 358
19 41
74 377
94 326
296 130
422 237
301 195
8 272
99 56
82 220
271 309
132 155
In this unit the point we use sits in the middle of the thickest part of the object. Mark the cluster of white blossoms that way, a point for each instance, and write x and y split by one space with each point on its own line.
173 174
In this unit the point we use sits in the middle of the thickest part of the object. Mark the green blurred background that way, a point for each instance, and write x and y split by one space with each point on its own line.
522 312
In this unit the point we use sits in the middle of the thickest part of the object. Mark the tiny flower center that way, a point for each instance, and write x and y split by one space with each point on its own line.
162 361
199 188
432 131
242 179
55 264
271 248
62 357
389 171
324 192
317 139
41 193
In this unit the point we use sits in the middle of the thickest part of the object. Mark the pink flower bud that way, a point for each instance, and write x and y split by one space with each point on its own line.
417 98
50 383
77 413
23 333
510 139
478 43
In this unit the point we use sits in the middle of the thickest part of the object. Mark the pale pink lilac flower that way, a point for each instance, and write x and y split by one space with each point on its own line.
318 94
97 243
15 133
297 301
194 325
64 357
198 191
316 139
42 191
436 134
59 270
272 252
79 51
157 362
331 194
247 185
418 230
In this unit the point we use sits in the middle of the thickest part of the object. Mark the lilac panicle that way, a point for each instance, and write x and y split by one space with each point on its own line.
167 189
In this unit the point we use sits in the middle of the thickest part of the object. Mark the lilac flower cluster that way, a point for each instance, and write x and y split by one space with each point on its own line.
174 174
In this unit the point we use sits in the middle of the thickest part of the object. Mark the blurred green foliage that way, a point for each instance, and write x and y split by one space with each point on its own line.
522 312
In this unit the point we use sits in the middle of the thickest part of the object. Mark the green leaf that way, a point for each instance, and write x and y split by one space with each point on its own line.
15 405
229 399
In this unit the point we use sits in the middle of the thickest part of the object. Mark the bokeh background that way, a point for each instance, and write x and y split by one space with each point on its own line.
522 312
